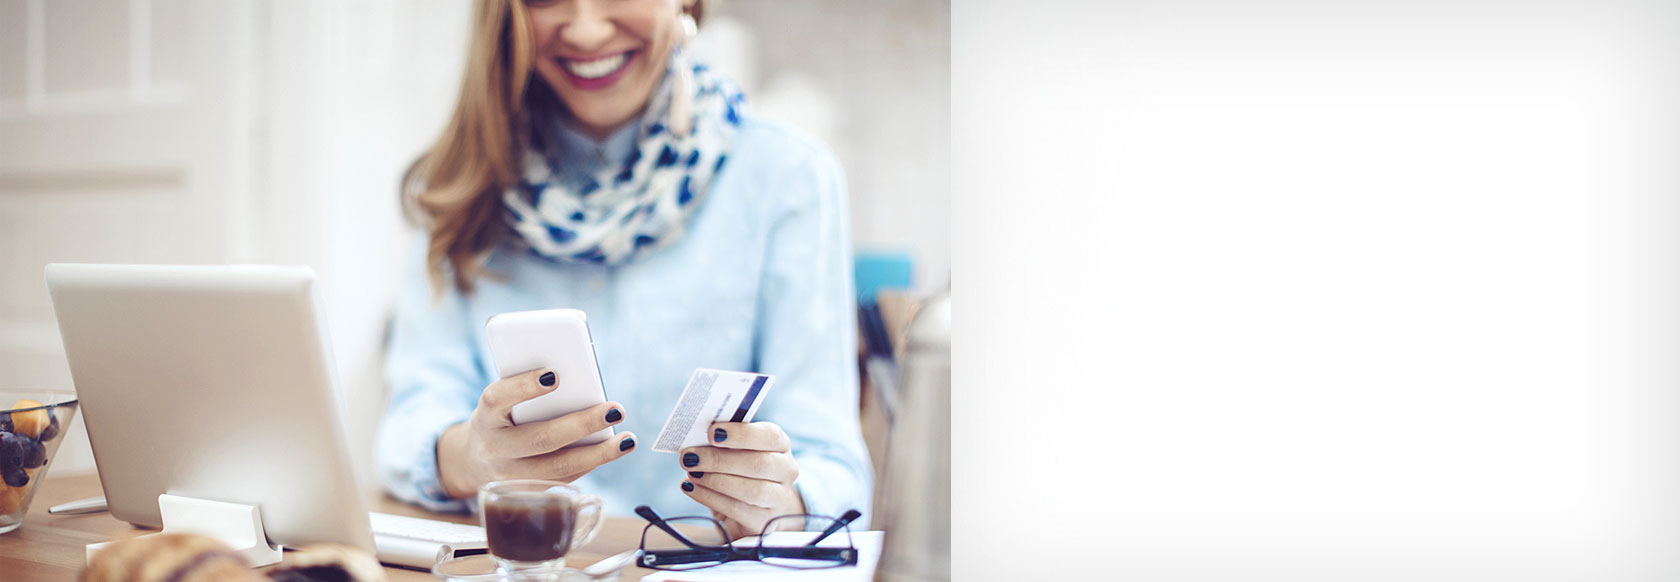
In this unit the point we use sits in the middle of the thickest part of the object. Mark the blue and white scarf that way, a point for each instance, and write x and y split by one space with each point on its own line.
622 213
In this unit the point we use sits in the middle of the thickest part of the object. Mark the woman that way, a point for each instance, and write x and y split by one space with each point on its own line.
588 165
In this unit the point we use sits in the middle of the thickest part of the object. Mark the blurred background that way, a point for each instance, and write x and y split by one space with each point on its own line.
270 131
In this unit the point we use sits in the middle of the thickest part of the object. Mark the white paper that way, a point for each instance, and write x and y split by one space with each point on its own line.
868 544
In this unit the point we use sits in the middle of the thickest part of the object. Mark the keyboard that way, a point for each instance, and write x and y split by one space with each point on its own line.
430 530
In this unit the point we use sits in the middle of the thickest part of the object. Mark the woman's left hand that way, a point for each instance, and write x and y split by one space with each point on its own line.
745 477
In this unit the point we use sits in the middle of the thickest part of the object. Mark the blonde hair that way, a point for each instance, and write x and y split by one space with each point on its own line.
454 189
455 185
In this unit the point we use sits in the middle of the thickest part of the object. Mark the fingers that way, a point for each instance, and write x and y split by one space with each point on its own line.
754 464
500 396
569 464
757 436
755 492
747 516
547 436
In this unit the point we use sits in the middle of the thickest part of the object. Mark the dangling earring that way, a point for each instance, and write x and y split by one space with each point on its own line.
679 117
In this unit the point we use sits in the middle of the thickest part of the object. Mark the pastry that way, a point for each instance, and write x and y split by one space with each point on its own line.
169 557
328 563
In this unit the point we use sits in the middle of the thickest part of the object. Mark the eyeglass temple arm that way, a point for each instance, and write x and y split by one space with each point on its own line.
659 522
845 518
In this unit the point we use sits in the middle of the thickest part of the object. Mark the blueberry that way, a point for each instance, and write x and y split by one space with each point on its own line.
51 431
34 454
17 477
12 449
6 423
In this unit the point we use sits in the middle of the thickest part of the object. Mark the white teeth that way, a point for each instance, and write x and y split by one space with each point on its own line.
597 68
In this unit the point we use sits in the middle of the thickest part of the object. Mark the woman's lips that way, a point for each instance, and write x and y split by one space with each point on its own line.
599 73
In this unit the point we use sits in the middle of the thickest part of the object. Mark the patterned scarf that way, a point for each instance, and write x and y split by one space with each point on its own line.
622 213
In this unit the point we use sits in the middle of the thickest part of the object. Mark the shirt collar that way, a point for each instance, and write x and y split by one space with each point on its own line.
580 151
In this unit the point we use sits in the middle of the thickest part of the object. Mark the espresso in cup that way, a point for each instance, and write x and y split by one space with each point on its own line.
532 524
523 531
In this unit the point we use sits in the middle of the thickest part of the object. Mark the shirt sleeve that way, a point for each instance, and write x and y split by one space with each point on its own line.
434 380
808 340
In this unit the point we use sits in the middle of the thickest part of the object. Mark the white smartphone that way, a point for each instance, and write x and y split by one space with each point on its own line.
557 339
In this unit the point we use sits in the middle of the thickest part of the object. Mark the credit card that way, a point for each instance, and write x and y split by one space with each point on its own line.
711 396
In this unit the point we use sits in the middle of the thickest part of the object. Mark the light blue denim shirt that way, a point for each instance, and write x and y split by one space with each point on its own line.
760 282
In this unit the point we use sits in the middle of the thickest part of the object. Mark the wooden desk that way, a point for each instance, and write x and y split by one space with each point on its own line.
52 548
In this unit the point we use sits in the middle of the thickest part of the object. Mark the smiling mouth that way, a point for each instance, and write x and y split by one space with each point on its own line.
597 69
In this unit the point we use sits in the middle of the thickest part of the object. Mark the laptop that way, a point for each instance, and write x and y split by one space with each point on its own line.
217 383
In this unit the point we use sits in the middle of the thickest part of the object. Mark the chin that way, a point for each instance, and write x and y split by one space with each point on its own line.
607 118
602 110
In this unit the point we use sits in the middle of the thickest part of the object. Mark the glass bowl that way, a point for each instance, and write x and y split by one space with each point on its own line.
32 425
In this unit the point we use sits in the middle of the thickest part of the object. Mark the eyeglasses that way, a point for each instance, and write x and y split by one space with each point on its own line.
690 543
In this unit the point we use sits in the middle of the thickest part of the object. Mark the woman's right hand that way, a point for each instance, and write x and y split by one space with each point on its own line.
489 447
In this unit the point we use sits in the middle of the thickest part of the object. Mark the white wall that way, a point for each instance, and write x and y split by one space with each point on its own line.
170 131
872 79
395 69
124 134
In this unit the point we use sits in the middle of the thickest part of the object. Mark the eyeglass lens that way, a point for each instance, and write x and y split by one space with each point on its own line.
795 555
673 554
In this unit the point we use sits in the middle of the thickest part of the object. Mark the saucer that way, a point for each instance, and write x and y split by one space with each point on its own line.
482 568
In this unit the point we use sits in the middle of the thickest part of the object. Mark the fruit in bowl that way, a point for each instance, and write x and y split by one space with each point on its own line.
31 429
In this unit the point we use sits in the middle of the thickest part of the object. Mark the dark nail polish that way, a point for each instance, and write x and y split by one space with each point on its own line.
696 474
718 435
690 459
614 415
688 486
547 378
629 442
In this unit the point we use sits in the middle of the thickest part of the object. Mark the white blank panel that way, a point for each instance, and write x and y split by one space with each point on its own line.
86 46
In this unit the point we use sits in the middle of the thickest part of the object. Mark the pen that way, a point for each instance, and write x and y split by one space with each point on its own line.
79 506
